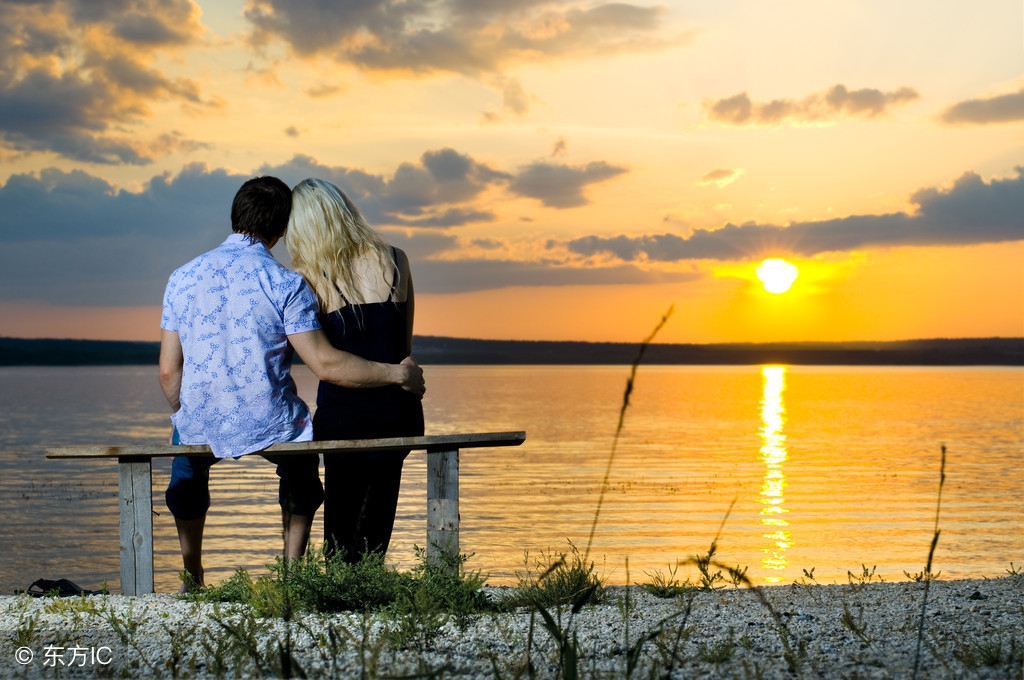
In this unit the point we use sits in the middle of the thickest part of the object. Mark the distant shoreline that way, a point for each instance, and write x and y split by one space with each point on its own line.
433 350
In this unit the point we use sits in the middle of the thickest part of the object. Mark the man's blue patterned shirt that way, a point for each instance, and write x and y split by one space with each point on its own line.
233 309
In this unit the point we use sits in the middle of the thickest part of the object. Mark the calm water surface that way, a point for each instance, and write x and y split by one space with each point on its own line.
829 468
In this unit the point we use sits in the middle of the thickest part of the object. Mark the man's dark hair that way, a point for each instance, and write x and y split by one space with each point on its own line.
261 208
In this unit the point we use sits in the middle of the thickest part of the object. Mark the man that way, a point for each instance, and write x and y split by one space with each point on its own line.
231 320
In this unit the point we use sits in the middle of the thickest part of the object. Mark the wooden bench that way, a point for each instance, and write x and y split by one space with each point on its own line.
135 484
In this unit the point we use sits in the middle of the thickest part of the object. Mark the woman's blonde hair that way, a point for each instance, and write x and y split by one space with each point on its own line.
326 234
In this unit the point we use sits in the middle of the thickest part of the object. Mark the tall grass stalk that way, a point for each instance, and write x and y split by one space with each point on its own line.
622 417
928 566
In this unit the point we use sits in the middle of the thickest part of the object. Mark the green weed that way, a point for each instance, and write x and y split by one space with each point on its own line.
67 606
26 633
922 576
993 653
717 652
558 579
866 576
856 624
314 583
666 585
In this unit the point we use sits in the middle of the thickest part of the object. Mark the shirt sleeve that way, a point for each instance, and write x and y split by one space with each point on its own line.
301 311
168 319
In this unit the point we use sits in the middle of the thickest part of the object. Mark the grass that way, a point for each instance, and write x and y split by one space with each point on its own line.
990 652
415 604
558 579
928 567
70 606
644 344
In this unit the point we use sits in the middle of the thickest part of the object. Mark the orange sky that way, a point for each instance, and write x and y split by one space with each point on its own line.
555 170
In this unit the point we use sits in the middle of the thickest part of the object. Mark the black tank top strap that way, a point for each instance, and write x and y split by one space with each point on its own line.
394 277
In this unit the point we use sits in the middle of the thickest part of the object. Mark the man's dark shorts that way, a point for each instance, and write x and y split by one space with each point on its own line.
300 491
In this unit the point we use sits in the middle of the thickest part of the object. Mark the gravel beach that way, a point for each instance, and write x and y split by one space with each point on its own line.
972 629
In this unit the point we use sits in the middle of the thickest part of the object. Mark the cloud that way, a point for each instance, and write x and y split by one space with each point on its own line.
837 102
970 212
444 276
324 91
720 177
561 186
514 97
488 243
470 37
174 142
1005 108
421 245
70 237
433 191
462 276
76 75
59 206
427 193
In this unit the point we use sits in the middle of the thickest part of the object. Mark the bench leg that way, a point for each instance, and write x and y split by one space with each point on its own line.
443 508
135 484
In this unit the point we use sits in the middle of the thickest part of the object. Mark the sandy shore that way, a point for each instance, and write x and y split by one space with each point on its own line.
972 629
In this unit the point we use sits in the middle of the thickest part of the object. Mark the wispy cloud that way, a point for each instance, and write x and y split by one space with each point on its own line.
972 211
76 75
470 37
514 97
835 103
1004 108
720 177
324 91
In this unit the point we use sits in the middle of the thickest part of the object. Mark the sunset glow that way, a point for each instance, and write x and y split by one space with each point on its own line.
554 169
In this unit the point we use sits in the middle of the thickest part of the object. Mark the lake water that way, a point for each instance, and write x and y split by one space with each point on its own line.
826 468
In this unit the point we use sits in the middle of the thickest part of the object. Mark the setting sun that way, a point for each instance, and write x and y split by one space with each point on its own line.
777 275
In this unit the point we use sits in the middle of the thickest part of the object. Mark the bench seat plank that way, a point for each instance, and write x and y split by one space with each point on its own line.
434 442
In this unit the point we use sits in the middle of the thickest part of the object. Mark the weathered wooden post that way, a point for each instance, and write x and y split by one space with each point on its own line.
443 507
135 488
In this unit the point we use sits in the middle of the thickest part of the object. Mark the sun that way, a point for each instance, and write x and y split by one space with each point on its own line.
777 275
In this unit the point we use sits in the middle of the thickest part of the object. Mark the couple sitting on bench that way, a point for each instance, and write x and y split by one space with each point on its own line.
232 319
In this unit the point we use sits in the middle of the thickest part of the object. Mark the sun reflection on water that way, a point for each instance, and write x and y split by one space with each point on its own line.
773 453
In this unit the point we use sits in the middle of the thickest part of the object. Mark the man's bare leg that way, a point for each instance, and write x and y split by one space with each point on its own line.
296 534
190 538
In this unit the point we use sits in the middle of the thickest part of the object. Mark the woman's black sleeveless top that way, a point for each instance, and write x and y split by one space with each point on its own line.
376 331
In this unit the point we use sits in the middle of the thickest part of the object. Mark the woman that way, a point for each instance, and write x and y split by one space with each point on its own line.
366 300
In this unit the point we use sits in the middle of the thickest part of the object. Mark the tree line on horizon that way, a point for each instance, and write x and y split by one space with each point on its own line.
443 350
